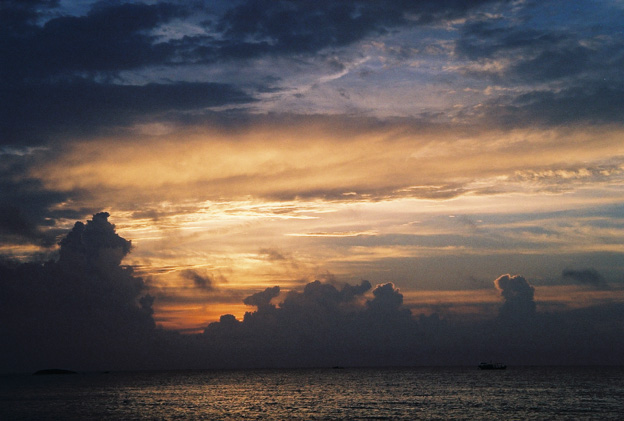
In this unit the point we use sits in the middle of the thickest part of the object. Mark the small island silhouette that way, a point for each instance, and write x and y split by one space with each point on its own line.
51 371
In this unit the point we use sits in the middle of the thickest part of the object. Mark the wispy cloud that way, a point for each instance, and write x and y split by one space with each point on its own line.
333 234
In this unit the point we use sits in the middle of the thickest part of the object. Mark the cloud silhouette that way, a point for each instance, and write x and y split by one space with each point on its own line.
518 295
87 311
81 106
25 215
109 37
319 326
18 226
589 276
84 310
262 300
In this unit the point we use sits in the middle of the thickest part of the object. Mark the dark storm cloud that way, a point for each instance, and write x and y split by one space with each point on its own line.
285 27
319 326
34 111
17 225
111 37
62 77
319 294
61 74
83 310
589 276
542 54
25 215
117 36
323 326
351 292
386 299
594 103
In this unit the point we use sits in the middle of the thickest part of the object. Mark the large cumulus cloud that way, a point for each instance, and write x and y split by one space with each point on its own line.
325 325
84 310
322 325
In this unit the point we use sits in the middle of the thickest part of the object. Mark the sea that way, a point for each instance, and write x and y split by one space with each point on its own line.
430 393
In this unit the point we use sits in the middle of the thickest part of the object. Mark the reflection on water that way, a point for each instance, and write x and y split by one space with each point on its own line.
426 393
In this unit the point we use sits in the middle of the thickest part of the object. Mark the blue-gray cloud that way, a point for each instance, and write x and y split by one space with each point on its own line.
259 27
110 38
25 215
61 77
61 74
32 113
597 102
565 69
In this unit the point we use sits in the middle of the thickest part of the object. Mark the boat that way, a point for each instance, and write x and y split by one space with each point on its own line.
492 366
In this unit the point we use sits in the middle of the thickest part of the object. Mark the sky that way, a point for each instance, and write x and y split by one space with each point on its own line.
282 183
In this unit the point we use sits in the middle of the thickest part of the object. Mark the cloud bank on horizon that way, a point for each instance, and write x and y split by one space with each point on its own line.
247 144
87 311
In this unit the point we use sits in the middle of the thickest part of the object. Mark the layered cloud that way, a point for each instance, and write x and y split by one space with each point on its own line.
126 81
249 148
63 72
312 160
78 71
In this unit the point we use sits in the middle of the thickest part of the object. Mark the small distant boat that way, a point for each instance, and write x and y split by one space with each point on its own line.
492 366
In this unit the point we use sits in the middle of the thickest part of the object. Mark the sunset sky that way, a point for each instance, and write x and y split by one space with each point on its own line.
242 145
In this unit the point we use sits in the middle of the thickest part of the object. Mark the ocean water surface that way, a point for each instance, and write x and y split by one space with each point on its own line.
522 393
